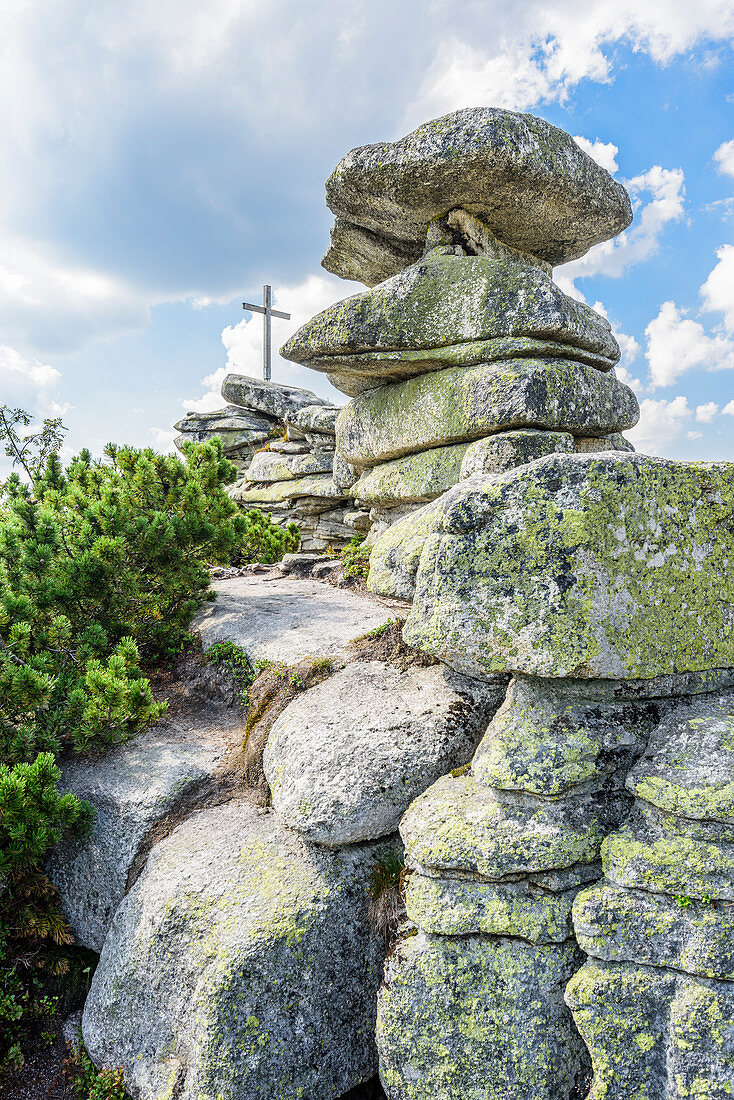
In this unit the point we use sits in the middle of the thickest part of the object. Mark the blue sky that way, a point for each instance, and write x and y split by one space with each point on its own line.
160 161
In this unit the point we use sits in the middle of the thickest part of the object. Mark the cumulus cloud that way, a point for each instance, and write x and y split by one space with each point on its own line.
662 423
724 158
29 384
706 414
728 409
541 52
718 290
676 344
604 153
243 342
657 199
56 306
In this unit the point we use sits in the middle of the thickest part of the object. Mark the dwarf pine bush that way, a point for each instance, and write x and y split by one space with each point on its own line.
102 567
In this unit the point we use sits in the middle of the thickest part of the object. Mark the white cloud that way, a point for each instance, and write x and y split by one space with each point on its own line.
718 290
728 409
724 157
676 344
540 52
657 199
162 440
28 384
243 342
705 414
694 435
48 303
604 153
661 424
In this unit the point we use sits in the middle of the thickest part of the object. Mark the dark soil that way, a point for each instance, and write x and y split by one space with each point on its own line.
388 646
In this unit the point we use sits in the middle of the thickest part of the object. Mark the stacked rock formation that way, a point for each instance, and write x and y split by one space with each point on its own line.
470 359
589 578
282 439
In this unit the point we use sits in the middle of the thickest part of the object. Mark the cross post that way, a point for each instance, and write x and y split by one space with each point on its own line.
267 311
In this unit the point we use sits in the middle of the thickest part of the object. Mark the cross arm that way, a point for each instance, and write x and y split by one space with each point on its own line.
255 309
277 313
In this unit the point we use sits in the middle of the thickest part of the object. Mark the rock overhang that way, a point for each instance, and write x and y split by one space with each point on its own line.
528 181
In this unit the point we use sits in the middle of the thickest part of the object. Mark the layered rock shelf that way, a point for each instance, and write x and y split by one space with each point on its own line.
282 440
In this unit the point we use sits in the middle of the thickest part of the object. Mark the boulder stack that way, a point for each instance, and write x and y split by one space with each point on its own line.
466 357
282 439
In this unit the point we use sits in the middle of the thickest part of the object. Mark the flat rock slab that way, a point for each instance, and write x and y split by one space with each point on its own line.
460 825
527 180
345 759
137 790
469 309
241 966
478 1018
461 404
270 398
637 927
287 619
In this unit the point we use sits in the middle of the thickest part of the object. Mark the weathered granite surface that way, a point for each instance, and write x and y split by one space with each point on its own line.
470 309
345 759
557 569
241 963
654 1034
497 453
270 398
134 789
287 619
462 404
270 466
415 478
527 180
478 1018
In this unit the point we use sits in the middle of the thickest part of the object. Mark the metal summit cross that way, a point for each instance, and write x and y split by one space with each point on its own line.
267 311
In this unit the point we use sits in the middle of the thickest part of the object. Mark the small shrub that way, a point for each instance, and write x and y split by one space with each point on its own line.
355 558
88 1082
233 661
264 541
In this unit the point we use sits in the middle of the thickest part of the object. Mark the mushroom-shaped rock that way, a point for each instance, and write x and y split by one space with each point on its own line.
526 180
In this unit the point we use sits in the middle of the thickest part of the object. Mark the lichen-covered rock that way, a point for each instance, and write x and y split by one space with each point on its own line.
559 567
345 759
396 553
546 742
654 1034
471 309
478 1018
135 790
315 418
270 466
240 430
415 478
465 403
270 398
240 965
527 180
316 485
460 907
635 926
460 825
688 766
497 453
671 855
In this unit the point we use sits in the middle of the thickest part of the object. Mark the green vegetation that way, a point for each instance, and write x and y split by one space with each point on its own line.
102 567
92 1084
355 558
387 894
233 661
